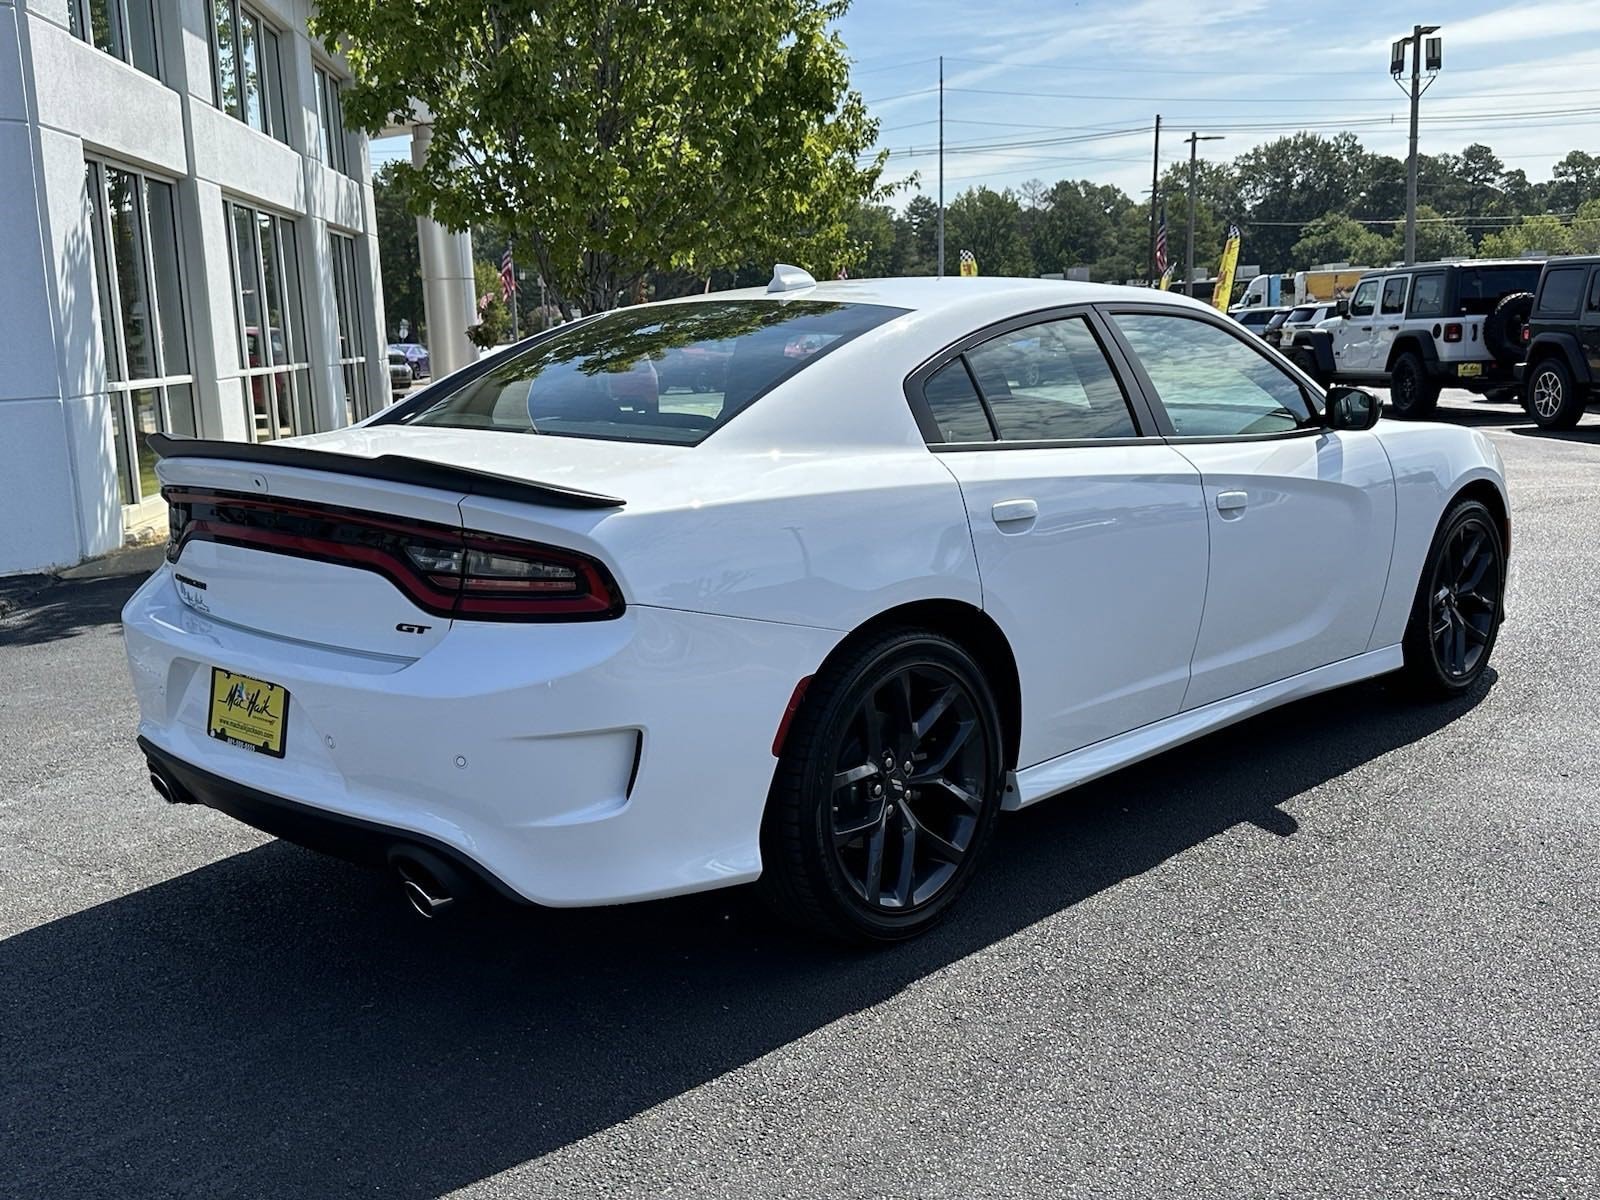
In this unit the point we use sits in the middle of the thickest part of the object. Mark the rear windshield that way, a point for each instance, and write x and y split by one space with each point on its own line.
1300 314
1479 289
671 373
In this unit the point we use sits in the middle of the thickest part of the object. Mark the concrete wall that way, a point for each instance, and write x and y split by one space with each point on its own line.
62 100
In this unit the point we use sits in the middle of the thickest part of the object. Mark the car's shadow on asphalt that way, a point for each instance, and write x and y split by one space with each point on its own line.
276 1024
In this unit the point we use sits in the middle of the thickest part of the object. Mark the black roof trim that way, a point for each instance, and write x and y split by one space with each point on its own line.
394 468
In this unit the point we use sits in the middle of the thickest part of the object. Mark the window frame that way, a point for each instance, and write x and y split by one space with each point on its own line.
1144 420
329 87
120 388
80 24
1316 401
269 82
297 371
346 281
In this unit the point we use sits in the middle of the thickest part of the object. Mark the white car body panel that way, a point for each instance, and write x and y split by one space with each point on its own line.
609 760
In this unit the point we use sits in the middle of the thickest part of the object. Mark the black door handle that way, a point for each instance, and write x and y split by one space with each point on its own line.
1366 329
1392 328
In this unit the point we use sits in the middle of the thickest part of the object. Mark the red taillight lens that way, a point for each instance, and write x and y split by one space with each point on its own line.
444 571
1527 335
1452 332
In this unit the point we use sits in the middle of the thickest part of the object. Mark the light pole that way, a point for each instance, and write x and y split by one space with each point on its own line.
1194 139
1397 66
1155 198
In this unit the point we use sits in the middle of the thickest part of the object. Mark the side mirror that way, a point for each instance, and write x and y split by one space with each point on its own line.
1352 408
1342 307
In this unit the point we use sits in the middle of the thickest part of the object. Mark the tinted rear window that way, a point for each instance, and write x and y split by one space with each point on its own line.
671 373
1301 314
1478 289
1562 288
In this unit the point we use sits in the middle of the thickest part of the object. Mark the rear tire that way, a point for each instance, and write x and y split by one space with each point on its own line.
1553 399
1455 618
886 791
1412 395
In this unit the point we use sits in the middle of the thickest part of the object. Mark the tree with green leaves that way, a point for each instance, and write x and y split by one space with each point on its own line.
1337 237
614 138
989 224
398 257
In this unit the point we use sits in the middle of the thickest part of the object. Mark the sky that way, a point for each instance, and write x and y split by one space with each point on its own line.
1053 89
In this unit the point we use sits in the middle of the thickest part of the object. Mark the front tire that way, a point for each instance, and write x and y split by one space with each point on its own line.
1456 615
886 792
1553 399
1412 394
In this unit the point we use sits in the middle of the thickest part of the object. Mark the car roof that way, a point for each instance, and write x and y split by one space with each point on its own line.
1465 262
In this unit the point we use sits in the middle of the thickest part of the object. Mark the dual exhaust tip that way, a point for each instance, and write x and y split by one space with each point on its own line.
431 885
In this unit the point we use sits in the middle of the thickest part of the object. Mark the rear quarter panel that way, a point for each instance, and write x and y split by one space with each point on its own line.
1432 464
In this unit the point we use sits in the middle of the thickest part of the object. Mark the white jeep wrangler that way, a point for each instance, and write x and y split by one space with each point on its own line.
1421 328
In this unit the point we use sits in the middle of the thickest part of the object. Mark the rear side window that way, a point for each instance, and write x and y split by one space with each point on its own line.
1427 296
1211 383
1594 293
1479 289
1394 295
1051 382
955 405
1563 287
668 373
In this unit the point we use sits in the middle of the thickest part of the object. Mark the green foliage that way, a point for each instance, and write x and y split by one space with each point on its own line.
989 224
398 256
613 138
1542 234
1338 238
494 315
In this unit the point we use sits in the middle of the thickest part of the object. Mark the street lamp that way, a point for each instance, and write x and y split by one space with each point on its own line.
1194 139
1397 66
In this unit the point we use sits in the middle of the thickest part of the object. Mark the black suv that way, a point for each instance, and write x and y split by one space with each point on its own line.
1561 375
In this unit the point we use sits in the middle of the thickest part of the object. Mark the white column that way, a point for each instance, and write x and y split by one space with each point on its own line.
447 286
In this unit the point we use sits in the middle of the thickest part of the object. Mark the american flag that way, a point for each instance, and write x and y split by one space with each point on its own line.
1161 243
508 275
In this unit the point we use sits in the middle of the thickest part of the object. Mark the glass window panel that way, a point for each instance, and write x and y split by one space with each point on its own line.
282 390
75 19
160 205
120 444
105 28
102 276
252 352
336 126
225 46
142 35
1211 383
272 84
127 241
1366 297
272 290
250 66
955 405
351 408
295 330
1562 290
180 410
1427 296
261 399
323 149
146 404
1051 382
1394 295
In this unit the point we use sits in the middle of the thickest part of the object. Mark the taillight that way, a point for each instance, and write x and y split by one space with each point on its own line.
1452 332
445 571
1527 335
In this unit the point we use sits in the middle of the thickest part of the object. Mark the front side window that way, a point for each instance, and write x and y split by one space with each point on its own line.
124 29
249 75
272 352
670 373
1051 382
133 226
1211 383
1394 295
1361 304
1427 296
1594 293
1562 289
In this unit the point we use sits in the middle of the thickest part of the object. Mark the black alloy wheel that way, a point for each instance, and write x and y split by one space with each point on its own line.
1412 394
886 791
1456 617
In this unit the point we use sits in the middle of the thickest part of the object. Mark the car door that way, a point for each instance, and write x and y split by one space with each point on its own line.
1386 326
1301 517
1352 339
1090 532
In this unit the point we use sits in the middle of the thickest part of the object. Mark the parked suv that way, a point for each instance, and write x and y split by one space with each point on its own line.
1562 337
1304 316
1418 329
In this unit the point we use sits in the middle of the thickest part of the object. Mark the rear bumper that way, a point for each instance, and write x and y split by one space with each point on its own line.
566 764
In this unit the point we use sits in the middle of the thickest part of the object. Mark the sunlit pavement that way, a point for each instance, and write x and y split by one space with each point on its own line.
1348 948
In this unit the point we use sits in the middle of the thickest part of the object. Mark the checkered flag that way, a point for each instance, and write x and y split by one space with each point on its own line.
969 263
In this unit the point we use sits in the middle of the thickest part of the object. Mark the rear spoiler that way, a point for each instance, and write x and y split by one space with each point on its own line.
394 468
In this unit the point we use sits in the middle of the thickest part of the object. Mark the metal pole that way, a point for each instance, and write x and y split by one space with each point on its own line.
1188 255
1411 162
516 291
941 166
1155 183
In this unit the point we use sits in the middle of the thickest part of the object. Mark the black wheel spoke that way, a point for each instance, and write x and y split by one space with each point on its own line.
856 774
933 768
941 702
874 873
906 880
969 800
1458 645
847 831
936 847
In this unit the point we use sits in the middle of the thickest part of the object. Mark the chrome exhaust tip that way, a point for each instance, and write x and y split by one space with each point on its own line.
423 902
166 790
431 886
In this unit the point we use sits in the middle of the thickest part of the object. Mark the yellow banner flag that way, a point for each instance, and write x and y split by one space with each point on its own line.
1223 292
1166 279
969 263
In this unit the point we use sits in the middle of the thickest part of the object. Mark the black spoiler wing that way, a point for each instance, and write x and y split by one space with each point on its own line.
395 468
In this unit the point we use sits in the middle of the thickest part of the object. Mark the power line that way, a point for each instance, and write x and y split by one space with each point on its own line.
1141 69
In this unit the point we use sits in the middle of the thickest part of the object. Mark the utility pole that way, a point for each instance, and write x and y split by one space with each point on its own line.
1155 183
1397 63
941 166
1194 139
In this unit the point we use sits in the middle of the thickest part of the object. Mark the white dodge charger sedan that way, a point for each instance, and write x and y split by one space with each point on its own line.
801 585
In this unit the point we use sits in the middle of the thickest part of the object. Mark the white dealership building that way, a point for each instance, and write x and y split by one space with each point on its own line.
187 244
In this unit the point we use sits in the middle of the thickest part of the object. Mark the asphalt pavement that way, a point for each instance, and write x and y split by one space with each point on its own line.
1349 948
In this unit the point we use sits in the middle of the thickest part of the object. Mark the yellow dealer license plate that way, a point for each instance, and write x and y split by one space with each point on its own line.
246 712
1470 369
